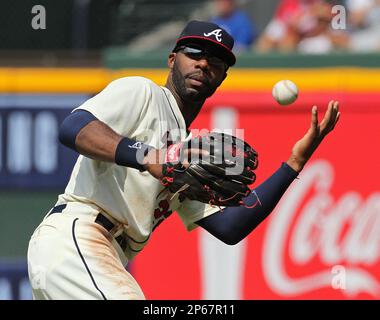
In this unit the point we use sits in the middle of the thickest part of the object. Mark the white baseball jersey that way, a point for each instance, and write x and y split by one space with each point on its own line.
139 109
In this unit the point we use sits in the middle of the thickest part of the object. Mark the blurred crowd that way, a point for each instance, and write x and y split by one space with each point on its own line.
80 29
306 26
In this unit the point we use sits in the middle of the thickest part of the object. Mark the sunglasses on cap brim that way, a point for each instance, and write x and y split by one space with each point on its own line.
197 53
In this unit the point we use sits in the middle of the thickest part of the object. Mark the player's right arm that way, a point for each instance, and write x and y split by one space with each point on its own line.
102 128
84 133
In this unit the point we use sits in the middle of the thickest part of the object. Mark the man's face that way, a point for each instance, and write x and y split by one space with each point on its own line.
196 76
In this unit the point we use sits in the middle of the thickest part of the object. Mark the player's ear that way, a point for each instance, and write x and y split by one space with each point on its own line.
171 60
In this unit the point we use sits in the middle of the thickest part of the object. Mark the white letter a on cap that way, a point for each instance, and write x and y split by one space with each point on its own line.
217 33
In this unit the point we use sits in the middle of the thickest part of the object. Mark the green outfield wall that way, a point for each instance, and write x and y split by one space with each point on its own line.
21 212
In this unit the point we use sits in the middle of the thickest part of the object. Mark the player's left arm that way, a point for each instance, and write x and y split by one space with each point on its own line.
305 147
233 224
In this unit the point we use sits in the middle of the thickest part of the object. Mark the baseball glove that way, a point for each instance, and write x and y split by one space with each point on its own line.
216 168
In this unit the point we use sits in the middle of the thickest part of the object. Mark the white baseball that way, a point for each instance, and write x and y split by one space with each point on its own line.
285 92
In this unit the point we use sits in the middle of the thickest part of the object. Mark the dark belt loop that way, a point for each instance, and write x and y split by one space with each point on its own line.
58 209
108 225
104 222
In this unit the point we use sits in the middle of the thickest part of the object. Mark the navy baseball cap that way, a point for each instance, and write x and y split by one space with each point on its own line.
210 36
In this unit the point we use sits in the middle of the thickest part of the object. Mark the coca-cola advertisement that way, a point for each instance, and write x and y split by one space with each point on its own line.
322 239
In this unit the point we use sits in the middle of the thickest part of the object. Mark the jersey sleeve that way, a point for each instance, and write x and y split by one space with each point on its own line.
191 211
122 104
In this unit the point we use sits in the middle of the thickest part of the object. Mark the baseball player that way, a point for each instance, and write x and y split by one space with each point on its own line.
114 199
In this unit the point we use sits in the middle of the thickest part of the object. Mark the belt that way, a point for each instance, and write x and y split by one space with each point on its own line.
101 220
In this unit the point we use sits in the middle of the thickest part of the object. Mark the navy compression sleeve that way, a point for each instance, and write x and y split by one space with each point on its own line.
71 126
234 223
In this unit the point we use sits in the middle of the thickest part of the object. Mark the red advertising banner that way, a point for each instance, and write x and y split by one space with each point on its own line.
322 241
